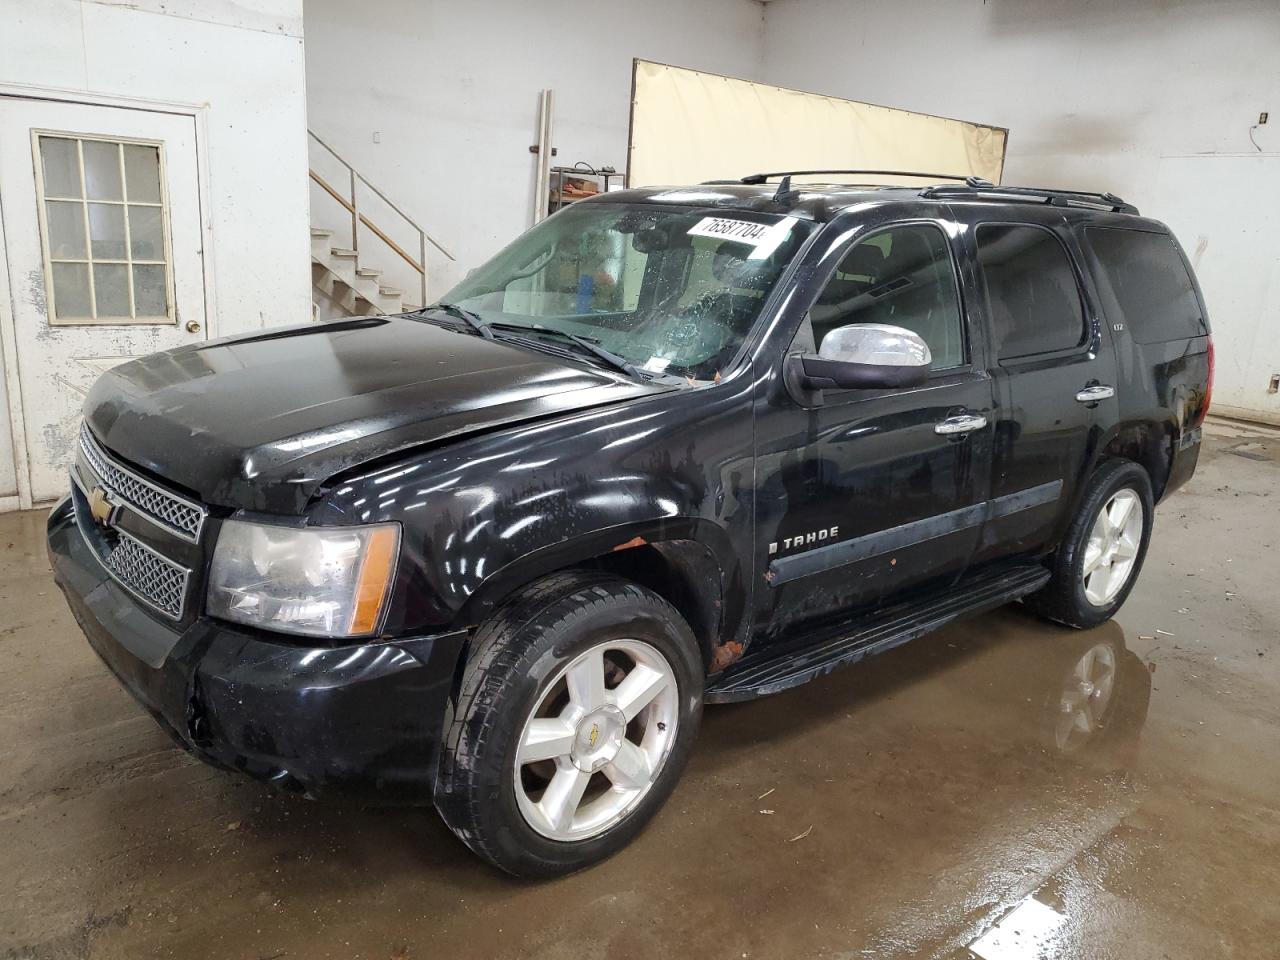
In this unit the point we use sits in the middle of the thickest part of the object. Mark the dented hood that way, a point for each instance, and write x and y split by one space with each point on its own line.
260 422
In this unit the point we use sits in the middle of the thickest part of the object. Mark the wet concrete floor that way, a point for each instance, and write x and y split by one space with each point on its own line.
903 808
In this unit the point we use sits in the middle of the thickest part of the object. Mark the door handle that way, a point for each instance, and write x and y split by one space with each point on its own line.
1095 393
964 423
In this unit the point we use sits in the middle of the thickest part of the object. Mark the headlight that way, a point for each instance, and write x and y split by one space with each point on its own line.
326 581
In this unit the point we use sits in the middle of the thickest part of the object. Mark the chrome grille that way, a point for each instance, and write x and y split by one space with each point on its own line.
178 514
159 582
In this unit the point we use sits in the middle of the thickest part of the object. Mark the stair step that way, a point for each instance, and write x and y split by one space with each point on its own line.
321 233
848 642
342 252
390 292
368 272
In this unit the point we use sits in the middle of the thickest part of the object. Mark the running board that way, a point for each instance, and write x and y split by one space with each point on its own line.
849 642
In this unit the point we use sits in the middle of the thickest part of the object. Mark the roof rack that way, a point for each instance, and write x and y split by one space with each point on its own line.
756 178
1057 198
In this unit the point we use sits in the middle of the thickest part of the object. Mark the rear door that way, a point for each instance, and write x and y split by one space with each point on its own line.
1052 366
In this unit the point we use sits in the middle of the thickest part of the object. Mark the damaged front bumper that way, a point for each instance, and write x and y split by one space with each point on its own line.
363 720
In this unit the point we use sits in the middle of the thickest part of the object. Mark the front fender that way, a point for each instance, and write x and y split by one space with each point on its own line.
721 566
483 516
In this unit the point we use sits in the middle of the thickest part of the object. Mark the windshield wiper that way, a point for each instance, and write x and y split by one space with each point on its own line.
473 320
608 357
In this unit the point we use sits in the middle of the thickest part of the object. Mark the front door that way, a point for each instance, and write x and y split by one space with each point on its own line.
103 243
872 492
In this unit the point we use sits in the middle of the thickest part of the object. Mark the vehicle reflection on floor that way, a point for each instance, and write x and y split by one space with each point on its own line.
1089 697
1082 694
950 781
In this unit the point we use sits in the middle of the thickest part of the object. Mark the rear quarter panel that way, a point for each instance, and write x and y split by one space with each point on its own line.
1162 386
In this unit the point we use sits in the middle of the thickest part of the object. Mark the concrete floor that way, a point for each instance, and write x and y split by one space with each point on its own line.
915 801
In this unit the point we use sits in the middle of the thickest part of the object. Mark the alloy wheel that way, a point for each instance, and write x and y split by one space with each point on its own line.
1112 549
596 740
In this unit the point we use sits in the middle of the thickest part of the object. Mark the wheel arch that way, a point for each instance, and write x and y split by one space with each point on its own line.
1148 443
686 561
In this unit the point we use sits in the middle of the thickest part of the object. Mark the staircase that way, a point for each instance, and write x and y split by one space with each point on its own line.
336 273
343 281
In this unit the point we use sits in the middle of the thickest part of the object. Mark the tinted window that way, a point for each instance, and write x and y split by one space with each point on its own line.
1031 289
1150 283
901 277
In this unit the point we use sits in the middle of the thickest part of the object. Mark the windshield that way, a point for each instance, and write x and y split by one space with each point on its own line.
671 290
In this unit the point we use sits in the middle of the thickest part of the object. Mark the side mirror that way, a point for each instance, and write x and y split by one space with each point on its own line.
864 356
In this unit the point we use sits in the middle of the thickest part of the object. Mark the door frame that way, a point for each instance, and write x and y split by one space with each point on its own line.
199 113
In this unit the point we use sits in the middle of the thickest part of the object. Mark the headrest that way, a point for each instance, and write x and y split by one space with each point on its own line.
865 260
910 253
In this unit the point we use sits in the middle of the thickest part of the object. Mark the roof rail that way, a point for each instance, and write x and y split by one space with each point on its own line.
1057 198
756 178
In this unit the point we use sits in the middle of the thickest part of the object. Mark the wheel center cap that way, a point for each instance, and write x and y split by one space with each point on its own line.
597 738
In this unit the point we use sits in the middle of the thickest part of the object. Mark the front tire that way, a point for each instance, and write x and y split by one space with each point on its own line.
1098 561
577 709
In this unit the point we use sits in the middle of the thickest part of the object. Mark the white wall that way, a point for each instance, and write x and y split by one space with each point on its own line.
451 87
1096 95
243 59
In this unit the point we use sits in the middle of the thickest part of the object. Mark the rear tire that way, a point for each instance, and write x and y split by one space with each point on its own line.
1100 557
550 763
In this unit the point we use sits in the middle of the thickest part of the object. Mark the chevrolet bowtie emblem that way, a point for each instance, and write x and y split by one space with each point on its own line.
100 506
595 733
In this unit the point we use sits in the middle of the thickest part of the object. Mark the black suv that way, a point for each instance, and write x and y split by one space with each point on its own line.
671 446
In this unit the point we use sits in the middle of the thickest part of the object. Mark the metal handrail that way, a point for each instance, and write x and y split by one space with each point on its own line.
352 205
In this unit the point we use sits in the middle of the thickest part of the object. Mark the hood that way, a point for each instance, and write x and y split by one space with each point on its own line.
261 421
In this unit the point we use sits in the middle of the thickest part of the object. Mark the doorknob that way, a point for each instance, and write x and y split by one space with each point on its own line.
193 326
1095 393
964 423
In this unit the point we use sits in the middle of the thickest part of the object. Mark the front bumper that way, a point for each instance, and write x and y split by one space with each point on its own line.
363 720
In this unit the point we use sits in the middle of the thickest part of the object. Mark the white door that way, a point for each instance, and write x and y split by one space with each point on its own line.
103 243
1229 234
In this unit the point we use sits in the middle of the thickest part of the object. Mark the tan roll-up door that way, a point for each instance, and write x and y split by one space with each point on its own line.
688 126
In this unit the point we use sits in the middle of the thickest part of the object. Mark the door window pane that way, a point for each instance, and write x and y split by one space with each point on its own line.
71 290
61 161
902 277
142 172
111 288
102 170
106 231
66 229
146 241
148 289
119 272
1032 297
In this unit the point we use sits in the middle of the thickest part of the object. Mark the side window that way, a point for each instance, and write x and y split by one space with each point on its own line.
903 277
1150 283
1032 297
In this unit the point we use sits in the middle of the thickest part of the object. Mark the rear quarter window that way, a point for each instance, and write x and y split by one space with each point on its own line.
1150 283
